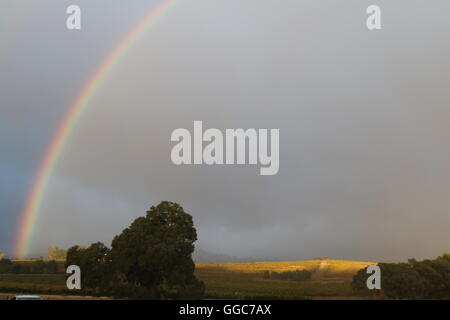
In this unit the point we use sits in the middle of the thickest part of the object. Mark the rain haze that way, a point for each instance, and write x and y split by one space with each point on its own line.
363 118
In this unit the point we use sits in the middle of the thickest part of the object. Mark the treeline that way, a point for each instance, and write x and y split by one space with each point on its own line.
427 279
31 267
295 275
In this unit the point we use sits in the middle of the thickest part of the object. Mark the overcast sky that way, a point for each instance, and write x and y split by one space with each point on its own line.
364 121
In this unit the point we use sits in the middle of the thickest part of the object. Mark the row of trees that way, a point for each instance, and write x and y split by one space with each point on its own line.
152 258
53 253
31 267
425 279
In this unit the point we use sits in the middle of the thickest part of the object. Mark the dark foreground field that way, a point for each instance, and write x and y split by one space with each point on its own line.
330 279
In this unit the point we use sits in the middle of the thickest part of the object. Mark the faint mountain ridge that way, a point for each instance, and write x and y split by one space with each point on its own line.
203 256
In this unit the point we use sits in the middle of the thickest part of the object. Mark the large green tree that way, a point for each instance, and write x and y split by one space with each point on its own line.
155 253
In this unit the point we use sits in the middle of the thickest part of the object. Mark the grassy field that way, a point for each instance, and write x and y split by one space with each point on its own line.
33 283
331 278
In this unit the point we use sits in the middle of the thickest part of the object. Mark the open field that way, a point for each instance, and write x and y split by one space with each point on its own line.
33 283
329 270
331 279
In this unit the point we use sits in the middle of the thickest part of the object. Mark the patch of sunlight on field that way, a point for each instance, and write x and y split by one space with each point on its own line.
334 267
341 269
245 280
258 267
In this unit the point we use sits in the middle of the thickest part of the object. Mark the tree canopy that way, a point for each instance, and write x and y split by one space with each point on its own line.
414 279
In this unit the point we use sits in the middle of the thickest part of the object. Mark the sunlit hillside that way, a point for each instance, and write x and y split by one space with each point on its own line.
324 270
330 278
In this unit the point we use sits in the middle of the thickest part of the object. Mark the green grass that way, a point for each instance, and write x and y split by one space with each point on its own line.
44 279
33 283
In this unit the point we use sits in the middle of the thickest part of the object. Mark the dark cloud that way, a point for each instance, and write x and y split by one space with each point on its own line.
364 163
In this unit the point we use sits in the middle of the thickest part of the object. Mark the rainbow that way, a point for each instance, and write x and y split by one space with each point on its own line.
34 199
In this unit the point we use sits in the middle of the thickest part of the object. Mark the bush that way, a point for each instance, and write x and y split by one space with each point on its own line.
427 279
296 275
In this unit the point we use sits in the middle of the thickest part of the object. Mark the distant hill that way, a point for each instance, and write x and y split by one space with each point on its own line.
323 270
203 256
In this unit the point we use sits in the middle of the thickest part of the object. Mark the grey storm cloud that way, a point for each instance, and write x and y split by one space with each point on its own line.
363 118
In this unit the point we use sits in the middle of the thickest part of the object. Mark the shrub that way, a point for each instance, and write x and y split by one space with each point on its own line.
425 279
296 275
